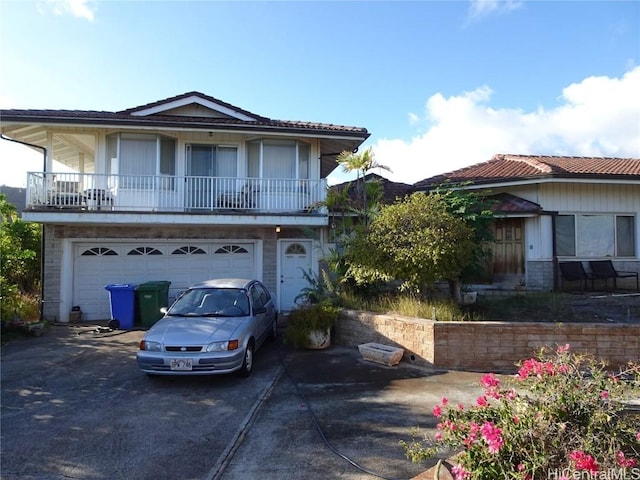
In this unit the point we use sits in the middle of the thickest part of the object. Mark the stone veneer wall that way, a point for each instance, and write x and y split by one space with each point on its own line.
540 275
485 346
55 234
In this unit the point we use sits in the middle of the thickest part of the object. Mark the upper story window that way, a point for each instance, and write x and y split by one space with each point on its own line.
212 161
287 159
597 235
140 157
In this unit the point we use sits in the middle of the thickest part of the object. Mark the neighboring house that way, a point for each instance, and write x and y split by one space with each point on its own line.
555 209
346 200
391 191
183 189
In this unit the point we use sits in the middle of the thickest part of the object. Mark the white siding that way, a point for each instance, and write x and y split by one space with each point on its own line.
573 198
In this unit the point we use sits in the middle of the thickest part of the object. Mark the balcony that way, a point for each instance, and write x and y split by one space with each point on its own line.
84 192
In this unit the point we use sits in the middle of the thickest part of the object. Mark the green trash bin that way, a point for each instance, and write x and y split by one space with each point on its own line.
152 296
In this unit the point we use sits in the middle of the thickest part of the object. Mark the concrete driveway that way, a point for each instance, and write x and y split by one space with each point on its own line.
74 406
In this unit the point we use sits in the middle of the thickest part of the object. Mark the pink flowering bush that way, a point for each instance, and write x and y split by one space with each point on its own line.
561 416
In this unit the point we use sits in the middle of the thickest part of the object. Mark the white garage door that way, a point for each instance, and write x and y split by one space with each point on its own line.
98 264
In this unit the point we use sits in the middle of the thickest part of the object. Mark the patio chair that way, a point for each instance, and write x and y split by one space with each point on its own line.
244 199
575 272
65 195
604 269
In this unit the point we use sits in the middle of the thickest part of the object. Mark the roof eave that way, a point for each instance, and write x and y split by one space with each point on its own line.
512 182
142 123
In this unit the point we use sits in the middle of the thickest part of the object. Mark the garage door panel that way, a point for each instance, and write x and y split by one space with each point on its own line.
100 264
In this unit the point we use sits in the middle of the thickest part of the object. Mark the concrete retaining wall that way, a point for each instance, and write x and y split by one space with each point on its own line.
485 346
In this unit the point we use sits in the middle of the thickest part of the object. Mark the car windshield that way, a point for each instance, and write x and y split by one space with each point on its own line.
211 302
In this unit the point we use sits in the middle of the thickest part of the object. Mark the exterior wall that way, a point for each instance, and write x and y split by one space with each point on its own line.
540 275
52 250
581 197
572 198
58 276
485 346
269 260
538 236
204 138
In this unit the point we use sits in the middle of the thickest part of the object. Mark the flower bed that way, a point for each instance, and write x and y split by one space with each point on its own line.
562 416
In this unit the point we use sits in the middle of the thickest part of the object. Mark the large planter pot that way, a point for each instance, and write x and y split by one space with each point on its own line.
319 339
469 298
310 326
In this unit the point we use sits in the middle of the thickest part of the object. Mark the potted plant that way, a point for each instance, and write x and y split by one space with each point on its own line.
309 326
468 296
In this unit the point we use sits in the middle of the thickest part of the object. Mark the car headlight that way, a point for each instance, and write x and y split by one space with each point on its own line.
150 346
222 346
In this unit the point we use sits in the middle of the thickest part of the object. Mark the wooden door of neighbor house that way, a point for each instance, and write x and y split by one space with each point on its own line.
508 251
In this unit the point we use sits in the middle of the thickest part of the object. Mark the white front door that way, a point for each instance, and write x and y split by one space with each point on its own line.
295 260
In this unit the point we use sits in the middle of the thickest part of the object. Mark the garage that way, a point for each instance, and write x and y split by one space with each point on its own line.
183 263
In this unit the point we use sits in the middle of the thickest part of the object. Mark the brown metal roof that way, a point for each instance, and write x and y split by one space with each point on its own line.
501 202
507 203
390 190
507 168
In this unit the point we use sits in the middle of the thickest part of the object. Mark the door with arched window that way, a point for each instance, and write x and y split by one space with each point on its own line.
295 260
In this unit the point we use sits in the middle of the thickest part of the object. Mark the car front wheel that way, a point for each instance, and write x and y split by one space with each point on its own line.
247 363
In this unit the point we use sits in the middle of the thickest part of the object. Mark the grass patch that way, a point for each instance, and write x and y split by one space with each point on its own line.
410 306
516 307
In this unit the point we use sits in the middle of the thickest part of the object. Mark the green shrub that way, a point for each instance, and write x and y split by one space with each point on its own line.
14 303
8 300
563 417
307 318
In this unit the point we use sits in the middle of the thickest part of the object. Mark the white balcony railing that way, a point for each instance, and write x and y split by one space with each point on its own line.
149 193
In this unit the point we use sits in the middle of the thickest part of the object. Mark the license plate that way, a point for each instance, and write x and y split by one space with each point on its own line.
181 364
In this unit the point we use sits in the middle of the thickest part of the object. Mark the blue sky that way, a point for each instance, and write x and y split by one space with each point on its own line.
440 85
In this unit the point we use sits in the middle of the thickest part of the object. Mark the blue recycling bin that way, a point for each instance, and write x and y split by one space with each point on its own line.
123 303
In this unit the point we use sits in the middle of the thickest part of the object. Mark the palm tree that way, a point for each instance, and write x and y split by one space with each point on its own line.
361 163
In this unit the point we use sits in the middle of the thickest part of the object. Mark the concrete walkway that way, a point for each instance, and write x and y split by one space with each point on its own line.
331 414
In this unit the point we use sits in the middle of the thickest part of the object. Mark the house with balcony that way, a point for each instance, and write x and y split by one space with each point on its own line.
183 189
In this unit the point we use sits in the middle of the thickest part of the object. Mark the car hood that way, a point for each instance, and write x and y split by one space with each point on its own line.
193 330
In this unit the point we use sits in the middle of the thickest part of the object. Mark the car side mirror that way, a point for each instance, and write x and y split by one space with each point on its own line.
164 310
260 310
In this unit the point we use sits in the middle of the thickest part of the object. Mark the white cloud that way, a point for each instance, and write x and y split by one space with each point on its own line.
7 101
15 161
483 8
600 116
77 8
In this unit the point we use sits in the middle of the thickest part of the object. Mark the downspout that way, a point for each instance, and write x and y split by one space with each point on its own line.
44 170
554 253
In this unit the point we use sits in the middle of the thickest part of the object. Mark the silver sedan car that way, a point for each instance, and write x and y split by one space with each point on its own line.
214 327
